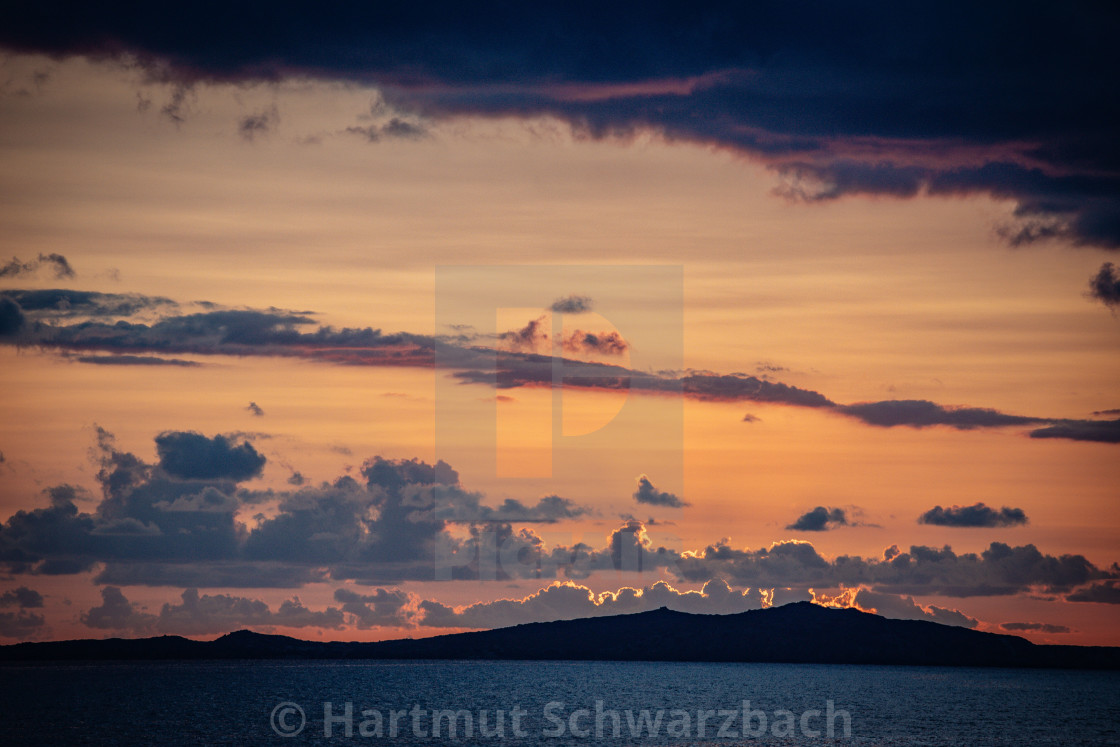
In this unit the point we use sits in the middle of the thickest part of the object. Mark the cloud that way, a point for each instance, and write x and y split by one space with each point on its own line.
261 123
394 128
999 570
1011 123
1105 285
1101 431
568 601
527 338
405 519
115 613
1105 592
11 317
255 409
572 305
648 494
749 418
923 413
21 597
62 303
905 608
56 263
1018 627
384 607
978 515
135 360
607 343
820 519
204 614
37 317
21 625
190 455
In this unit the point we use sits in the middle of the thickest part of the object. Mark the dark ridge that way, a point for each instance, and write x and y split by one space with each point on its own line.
799 633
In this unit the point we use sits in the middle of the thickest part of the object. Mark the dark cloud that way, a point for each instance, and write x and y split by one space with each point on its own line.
384 607
920 413
1018 627
56 263
61 303
21 597
190 455
998 571
978 515
820 519
572 305
135 360
116 613
11 317
905 608
1101 431
870 98
261 123
33 317
1105 285
568 601
394 128
740 387
648 494
1115 411
749 418
22 625
527 338
204 614
1105 592
606 343
400 520
255 409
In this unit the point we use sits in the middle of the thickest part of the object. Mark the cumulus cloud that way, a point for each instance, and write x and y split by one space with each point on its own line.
977 515
384 607
568 601
116 613
650 495
1105 285
398 520
905 608
820 519
997 571
204 614
191 455
572 305
21 624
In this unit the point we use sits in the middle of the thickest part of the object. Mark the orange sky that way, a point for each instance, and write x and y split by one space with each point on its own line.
860 299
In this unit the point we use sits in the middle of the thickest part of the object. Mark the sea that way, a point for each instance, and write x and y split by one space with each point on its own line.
551 703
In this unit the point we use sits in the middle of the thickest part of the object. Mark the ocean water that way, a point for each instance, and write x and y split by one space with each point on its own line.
552 703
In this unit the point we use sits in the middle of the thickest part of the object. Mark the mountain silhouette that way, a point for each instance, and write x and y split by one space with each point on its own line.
802 632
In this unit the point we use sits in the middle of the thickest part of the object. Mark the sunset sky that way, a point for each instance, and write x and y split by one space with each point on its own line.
362 324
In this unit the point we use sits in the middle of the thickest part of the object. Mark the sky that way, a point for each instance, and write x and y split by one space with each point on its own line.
363 323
